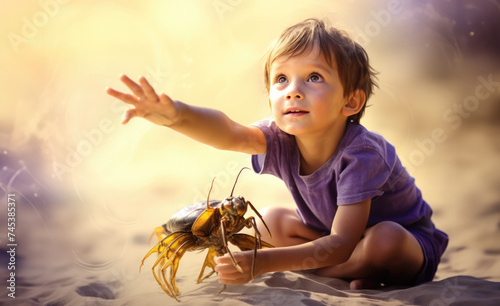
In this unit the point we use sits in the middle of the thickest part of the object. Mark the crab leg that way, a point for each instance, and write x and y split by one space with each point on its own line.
169 252
157 247
161 259
173 261
159 232
169 290
209 262
224 241
260 217
257 243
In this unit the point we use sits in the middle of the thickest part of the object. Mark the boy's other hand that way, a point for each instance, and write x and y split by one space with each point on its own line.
158 109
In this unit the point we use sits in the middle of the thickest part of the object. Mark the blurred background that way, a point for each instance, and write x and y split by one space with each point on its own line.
90 190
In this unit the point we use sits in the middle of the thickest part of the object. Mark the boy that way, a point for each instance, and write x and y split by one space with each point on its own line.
359 214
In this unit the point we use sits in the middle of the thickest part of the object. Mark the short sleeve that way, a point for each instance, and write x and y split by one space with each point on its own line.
362 175
278 150
258 162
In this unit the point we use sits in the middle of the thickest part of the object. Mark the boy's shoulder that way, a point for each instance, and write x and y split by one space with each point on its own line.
357 137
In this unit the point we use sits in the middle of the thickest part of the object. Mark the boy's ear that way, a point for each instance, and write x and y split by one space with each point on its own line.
354 103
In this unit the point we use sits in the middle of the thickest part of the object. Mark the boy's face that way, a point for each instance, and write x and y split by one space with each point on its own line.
306 95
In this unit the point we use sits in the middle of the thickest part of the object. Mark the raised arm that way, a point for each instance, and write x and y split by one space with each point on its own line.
208 126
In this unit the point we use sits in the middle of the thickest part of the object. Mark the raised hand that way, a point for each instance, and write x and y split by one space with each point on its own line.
147 104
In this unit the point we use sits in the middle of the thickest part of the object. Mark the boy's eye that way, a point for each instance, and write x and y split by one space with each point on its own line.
315 78
281 79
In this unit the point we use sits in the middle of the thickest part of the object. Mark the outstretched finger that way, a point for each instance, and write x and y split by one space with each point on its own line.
134 87
149 91
128 114
127 98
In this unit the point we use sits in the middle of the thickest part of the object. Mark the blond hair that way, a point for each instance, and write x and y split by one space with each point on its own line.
352 61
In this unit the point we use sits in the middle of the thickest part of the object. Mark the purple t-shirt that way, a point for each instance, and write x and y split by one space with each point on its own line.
364 166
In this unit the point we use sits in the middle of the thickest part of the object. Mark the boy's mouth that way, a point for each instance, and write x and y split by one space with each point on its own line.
295 111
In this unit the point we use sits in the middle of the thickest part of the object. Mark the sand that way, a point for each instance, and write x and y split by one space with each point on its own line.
88 192
67 256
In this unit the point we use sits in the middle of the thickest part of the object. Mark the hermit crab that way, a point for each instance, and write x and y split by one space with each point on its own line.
208 224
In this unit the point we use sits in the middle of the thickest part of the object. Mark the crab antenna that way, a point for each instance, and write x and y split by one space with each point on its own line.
208 197
237 179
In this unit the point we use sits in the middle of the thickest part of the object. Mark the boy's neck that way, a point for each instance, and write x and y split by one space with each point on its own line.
316 150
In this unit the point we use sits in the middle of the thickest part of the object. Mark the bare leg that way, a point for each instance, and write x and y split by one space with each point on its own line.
387 253
285 226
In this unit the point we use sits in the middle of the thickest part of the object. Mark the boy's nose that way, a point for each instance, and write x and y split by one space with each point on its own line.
294 93
297 96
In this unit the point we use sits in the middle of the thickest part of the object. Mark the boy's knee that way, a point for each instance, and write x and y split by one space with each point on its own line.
274 216
266 211
384 242
286 227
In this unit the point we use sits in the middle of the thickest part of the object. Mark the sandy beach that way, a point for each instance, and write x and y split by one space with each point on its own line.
80 193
